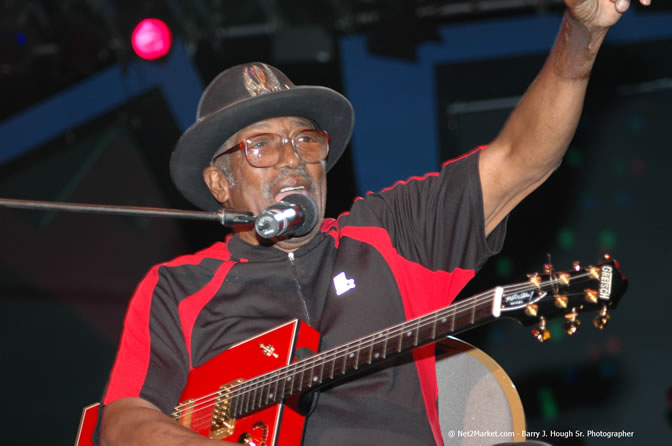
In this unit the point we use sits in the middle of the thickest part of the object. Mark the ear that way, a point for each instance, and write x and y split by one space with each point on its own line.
217 183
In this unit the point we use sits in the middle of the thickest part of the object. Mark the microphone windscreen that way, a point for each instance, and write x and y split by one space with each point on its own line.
309 208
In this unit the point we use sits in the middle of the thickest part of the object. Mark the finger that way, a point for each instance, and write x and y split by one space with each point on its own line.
622 5
645 2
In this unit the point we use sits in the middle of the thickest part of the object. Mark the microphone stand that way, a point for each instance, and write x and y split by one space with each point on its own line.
224 217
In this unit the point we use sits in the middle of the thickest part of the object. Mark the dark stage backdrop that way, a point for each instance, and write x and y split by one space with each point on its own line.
65 279
611 195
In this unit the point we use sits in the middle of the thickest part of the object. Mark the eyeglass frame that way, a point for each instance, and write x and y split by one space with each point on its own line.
243 145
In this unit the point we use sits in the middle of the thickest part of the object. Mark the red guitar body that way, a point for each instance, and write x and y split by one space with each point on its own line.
277 425
251 393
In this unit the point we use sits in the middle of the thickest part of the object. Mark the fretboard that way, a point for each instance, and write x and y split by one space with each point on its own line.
362 353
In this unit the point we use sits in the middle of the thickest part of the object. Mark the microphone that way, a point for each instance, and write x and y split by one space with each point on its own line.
295 214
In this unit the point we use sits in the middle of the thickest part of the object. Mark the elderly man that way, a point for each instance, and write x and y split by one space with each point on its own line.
258 139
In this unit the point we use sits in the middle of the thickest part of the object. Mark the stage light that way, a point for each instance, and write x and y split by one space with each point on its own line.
151 39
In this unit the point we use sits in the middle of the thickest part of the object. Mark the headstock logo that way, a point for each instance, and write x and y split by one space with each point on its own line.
605 282
519 300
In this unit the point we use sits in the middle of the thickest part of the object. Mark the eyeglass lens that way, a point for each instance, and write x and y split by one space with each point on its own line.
265 149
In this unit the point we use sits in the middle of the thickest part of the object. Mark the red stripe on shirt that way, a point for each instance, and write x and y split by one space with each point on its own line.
422 291
191 307
130 366
430 174
132 362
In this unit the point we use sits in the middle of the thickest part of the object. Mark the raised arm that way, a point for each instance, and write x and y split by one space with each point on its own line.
533 141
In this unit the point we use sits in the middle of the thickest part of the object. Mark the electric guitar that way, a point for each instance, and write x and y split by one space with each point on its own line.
265 399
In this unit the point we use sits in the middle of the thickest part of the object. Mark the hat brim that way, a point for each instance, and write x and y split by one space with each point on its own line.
194 150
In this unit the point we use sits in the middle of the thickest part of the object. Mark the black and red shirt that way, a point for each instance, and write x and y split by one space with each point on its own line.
396 255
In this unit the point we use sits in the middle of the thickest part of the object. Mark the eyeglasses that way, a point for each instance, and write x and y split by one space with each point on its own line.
265 149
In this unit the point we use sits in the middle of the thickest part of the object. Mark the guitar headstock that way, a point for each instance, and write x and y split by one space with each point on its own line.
565 294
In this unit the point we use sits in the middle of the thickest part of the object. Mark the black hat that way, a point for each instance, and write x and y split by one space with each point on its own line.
243 95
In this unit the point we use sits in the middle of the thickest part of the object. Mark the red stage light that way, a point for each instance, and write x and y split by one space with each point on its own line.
151 39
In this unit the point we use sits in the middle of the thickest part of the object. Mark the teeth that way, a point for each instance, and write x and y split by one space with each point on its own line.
287 189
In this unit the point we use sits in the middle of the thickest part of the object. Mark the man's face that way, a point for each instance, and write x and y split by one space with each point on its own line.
256 188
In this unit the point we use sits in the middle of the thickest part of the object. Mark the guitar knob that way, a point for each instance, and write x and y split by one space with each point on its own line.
571 323
247 440
541 333
602 318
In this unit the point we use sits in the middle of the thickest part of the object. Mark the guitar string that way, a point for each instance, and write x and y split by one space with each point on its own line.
311 363
419 323
255 384
393 330
200 420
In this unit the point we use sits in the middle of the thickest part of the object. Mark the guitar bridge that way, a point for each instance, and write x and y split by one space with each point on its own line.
222 423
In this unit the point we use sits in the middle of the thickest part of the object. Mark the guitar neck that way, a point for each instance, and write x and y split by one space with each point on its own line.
347 359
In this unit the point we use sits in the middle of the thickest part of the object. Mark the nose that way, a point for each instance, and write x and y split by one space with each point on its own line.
288 155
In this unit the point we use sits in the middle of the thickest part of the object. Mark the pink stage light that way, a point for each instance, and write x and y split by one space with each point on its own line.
151 39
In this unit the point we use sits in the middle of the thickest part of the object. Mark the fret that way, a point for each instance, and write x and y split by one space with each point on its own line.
417 332
385 345
253 404
333 366
301 379
371 352
258 395
408 336
473 313
247 400
359 349
275 389
434 326
401 338
452 321
290 380
234 405
263 391
321 374
341 356
283 379
310 378
314 377
345 361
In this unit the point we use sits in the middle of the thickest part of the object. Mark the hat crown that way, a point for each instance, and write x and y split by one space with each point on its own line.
239 83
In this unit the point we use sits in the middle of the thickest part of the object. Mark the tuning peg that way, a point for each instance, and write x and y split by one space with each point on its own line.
561 301
591 296
576 265
564 278
541 333
535 279
605 259
571 324
602 318
532 310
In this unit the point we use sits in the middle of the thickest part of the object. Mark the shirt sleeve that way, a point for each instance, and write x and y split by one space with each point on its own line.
152 361
436 220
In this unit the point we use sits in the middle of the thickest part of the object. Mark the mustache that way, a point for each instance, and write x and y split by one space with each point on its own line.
287 172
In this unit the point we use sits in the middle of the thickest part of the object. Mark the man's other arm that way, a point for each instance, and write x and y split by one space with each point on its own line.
134 421
537 134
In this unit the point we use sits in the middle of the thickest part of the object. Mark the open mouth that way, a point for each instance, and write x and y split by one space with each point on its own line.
289 190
